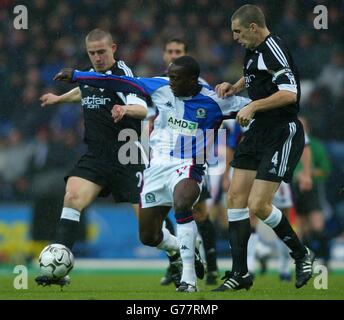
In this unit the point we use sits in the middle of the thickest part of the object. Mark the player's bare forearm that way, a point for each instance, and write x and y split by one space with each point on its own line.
136 111
72 96
226 89
49 99
279 99
239 85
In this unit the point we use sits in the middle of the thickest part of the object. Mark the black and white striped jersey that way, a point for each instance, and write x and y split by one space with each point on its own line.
101 133
267 69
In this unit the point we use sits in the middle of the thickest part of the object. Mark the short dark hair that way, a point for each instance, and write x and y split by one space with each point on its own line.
248 14
99 34
189 64
179 41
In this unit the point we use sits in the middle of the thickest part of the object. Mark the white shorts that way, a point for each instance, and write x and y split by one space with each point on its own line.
283 198
159 182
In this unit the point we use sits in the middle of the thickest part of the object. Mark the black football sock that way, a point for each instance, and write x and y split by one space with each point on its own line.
239 233
286 233
207 232
280 224
68 227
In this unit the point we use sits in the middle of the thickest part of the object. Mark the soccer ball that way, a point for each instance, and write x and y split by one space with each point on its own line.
56 261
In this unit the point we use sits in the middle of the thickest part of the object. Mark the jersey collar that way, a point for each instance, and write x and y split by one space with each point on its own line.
261 45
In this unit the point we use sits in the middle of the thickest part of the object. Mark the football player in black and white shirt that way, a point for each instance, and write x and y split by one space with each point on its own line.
270 150
282 200
100 171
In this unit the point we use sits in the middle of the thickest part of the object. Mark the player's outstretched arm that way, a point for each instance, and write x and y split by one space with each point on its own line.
71 96
141 86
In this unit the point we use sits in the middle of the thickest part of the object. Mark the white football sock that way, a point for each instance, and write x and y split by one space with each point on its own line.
70 214
169 243
186 234
274 217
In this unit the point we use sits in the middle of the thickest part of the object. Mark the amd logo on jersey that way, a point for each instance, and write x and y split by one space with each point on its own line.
182 126
94 102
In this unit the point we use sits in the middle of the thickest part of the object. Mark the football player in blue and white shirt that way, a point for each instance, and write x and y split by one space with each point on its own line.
175 48
189 113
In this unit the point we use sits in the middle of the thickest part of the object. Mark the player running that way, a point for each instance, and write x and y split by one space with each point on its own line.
188 111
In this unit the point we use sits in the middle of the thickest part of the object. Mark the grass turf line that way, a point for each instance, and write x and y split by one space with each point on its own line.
145 286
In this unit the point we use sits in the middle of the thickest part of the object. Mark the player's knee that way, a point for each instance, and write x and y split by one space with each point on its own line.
259 208
73 199
236 200
149 238
182 206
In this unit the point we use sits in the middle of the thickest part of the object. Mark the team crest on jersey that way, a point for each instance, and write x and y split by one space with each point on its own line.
182 126
201 113
150 197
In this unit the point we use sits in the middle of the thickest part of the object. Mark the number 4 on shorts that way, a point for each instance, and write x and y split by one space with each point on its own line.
274 159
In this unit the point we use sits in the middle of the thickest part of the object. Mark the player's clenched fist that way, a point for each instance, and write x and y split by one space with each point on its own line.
118 112
66 74
49 99
245 115
225 89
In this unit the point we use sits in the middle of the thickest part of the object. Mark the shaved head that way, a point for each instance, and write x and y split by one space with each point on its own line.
248 14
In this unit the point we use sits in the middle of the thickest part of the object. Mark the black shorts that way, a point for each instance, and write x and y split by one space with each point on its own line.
271 151
306 201
122 181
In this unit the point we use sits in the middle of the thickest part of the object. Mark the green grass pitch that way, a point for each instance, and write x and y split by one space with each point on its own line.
144 285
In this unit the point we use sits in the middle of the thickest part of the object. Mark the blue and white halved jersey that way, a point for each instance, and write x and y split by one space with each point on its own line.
185 127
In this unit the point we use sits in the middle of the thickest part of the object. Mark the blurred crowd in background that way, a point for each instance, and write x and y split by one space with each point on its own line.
38 145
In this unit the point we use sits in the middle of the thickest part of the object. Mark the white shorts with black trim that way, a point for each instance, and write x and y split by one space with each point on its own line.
159 182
